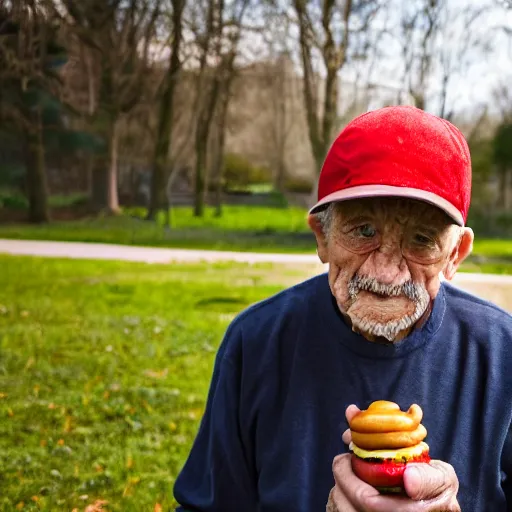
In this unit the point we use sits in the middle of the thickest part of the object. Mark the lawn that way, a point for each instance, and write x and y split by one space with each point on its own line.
104 368
258 229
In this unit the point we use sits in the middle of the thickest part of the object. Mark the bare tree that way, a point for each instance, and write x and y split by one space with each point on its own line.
218 44
281 85
419 25
119 33
160 175
439 42
327 30
281 81
217 169
29 81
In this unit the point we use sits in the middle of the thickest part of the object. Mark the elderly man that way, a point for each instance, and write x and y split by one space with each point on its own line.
394 194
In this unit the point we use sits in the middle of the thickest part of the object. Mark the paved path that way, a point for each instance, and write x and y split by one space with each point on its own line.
142 254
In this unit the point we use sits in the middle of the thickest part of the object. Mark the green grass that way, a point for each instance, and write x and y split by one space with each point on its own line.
493 248
104 370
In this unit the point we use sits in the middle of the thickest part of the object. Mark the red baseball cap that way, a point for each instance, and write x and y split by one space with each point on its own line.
399 152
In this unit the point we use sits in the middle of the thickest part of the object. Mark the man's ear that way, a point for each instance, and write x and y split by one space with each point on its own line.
461 251
321 241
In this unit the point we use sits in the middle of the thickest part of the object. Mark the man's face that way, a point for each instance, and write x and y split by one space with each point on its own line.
385 256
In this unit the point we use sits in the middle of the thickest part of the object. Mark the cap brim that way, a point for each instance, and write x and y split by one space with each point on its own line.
391 191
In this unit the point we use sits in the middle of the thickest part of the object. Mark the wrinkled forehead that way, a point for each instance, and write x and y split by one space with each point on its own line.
393 210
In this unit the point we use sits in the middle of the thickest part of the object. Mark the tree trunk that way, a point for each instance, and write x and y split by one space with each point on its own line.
199 198
112 205
104 194
163 141
281 174
281 125
202 134
320 129
503 188
159 176
330 114
313 198
508 190
310 86
99 186
218 165
37 186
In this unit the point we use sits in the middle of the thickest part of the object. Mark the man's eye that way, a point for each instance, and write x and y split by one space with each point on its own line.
422 240
366 231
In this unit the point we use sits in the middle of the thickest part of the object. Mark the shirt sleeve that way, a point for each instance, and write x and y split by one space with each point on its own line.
506 465
217 475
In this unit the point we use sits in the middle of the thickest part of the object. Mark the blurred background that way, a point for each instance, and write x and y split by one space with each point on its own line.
193 124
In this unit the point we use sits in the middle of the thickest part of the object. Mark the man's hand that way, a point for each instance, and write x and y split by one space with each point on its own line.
430 487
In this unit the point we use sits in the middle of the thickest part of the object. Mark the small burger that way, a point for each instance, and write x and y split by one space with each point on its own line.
384 441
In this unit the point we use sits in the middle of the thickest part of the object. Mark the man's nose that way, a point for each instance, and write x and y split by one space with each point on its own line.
387 265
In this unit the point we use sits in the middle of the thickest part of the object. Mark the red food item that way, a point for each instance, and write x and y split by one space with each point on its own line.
385 475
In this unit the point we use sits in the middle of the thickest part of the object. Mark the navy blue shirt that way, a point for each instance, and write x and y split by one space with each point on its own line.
288 368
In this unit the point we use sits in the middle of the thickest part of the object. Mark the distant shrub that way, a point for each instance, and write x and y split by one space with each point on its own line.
487 224
75 199
240 173
299 185
13 200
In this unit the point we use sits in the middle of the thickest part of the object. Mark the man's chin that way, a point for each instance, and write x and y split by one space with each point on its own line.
389 339
390 331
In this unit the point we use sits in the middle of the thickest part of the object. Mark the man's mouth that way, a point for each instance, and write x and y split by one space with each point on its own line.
384 310
378 295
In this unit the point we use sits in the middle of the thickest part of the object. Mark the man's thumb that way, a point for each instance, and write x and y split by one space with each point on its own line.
429 481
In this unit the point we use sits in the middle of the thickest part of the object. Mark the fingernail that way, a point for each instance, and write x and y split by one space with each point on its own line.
413 473
413 479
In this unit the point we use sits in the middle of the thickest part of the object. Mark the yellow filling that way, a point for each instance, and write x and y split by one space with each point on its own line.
397 455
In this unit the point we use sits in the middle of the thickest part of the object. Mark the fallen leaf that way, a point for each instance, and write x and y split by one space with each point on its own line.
68 424
132 482
158 507
97 506
156 374
20 505
61 442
